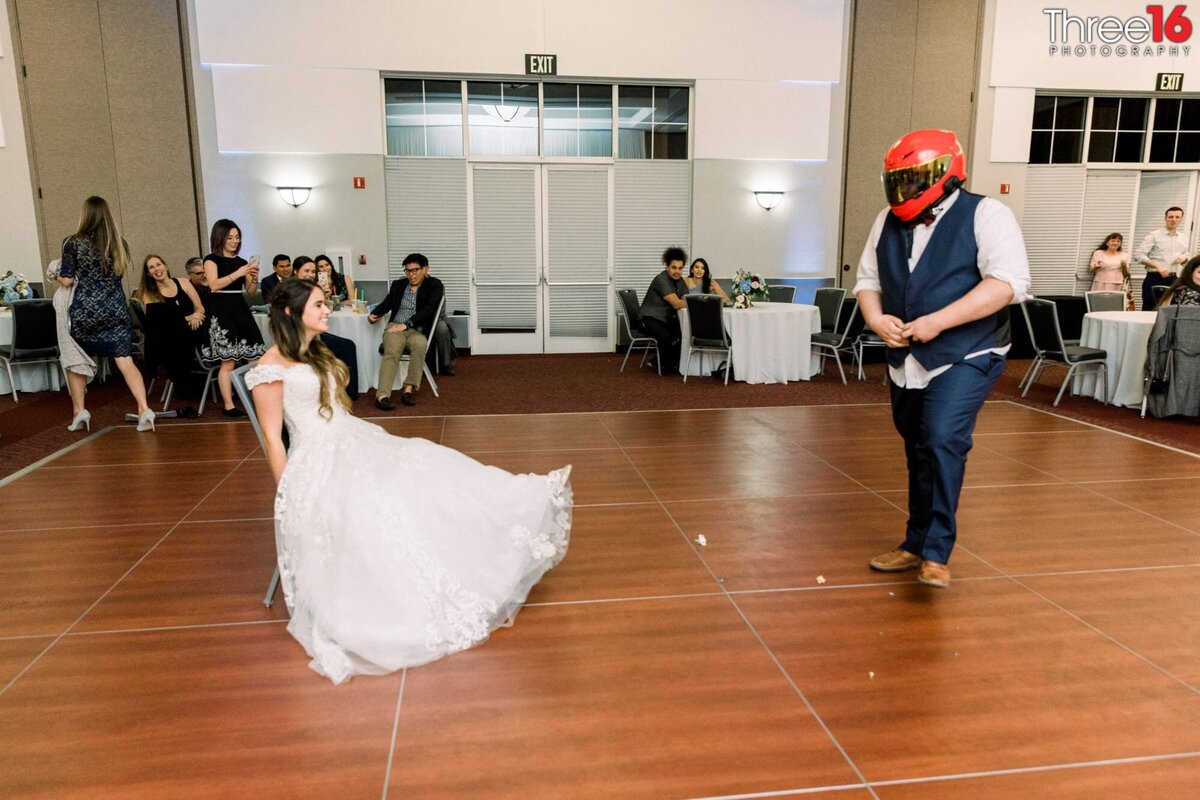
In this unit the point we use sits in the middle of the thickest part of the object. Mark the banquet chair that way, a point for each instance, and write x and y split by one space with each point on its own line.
1159 291
829 302
210 385
429 346
868 338
1042 318
827 343
638 340
708 330
34 338
1104 301
239 387
781 293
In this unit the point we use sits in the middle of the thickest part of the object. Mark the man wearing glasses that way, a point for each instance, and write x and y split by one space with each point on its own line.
410 307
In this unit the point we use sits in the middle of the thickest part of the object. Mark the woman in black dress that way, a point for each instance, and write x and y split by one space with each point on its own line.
174 314
93 261
232 334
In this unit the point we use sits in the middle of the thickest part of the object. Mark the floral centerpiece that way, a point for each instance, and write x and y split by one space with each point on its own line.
14 287
748 289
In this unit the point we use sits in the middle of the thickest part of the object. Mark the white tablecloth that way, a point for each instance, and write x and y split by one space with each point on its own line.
348 325
1124 335
29 377
772 343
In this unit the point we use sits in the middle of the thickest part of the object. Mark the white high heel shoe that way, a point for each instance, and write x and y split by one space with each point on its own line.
82 420
146 420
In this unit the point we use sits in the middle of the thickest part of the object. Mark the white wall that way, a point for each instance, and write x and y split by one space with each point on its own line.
297 78
19 250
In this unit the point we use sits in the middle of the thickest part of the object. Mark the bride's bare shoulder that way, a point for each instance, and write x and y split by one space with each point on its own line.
273 356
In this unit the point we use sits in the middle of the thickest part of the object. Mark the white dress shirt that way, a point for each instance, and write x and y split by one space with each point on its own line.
1163 246
1001 256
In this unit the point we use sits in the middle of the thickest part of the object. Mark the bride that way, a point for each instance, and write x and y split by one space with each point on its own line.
426 551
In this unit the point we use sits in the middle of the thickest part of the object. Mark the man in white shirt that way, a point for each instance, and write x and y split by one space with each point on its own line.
1162 253
935 280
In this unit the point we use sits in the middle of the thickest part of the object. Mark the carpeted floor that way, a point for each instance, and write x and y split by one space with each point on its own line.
36 426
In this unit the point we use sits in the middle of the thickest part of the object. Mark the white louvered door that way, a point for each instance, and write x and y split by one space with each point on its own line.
577 278
506 258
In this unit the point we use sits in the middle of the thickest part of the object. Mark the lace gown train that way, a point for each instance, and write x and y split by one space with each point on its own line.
425 551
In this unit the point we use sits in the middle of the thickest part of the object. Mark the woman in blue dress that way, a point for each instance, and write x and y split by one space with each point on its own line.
93 261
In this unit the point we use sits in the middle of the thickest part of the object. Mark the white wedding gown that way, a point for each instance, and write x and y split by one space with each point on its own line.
422 552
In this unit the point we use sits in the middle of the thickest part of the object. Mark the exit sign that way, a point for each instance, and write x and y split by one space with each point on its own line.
536 64
1169 82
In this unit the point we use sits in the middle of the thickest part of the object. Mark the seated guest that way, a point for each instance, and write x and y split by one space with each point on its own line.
335 284
1185 291
410 307
660 308
699 280
195 273
174 316
282 265
305 269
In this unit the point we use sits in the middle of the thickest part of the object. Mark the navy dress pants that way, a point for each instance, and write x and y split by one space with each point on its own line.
936 423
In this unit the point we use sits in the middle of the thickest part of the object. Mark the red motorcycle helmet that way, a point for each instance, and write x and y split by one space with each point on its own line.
921 169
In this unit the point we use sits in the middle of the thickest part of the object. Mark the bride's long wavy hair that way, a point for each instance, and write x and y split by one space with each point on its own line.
287 327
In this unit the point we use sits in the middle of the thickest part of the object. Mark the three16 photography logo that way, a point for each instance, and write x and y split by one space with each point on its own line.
1158 33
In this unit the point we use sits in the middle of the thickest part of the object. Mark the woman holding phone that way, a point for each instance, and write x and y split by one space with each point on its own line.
232 334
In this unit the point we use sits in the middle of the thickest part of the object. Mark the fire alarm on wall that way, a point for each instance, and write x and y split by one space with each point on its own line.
1005 188
360 183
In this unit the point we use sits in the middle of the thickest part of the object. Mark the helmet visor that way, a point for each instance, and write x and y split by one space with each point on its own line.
908 183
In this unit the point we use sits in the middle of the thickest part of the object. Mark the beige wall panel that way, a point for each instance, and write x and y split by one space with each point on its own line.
148 107
881 99
68 111
947 31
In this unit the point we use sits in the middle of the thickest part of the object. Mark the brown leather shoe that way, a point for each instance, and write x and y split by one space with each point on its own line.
897 560
934 574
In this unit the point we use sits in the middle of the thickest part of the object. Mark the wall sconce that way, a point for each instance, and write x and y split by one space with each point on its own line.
294 196
768 200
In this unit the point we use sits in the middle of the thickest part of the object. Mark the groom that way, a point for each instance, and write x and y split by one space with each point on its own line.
410 307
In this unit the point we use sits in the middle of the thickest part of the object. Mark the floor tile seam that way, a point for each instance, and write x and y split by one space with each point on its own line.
631 599
754 632
999 773
1150 662
801 694
18 637
28 469
115 583
1140 511
1015 460
109 465
167 628
442 436
387 772
1106 430
539 450
1102 571
59 528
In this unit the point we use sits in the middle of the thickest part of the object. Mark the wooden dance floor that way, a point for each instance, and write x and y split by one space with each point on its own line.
137 660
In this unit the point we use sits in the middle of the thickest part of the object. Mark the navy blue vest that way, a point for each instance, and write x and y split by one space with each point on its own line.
946 271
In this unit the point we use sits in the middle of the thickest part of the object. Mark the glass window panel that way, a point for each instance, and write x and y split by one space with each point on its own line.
404 110
670 104
1166 114
1067 147
1162 146
1043 112
1104 114
1039 147
1133 113
1101 146
635 119
1189 118
578 119
670 142
1069 113
1188 149
1129 146
502 118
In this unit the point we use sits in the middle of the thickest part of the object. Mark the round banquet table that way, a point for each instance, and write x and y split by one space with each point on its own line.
348 325
772 343
1124 335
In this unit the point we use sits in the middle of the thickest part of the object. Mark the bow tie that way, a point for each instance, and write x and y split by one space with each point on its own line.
924 219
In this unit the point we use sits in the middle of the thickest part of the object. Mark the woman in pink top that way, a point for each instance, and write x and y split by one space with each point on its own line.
1111 265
